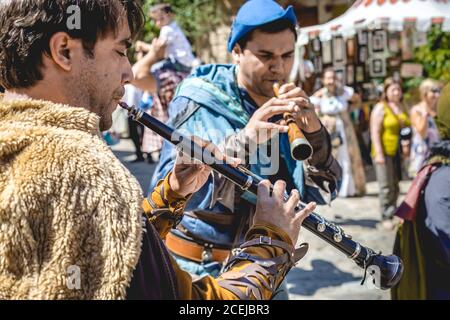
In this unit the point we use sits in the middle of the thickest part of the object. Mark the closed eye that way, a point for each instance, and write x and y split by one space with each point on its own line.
122 54
265 56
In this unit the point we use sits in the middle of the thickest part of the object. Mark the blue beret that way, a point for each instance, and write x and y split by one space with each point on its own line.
255 13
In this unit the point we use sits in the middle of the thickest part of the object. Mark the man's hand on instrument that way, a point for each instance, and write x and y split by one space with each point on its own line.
306 116
273 209
259 129
189 175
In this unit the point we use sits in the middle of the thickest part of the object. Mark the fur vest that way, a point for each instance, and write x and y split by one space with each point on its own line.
70 215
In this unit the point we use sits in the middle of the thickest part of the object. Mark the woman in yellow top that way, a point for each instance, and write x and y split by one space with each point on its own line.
388 118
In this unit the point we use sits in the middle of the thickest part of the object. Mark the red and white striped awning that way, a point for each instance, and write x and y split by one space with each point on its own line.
377 13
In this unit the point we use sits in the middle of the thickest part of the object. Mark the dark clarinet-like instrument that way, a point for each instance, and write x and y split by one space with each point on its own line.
386 271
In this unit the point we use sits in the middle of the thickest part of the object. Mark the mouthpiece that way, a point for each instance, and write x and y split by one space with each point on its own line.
276 89
125 106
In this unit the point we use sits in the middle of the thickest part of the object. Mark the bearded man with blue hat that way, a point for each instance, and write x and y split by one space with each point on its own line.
234 107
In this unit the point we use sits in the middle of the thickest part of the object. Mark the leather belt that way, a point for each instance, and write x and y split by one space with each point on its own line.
194 251
210 217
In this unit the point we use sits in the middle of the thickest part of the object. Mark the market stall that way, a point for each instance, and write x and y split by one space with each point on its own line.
374 39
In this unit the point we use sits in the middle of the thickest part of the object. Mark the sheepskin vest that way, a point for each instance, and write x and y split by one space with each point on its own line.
70 216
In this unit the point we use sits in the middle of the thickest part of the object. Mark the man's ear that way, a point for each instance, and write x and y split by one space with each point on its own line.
236 53
62 49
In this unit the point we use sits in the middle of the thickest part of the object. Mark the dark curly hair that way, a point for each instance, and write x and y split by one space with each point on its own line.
26 27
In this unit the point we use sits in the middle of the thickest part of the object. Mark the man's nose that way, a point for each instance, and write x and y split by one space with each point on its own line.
127 75
277 65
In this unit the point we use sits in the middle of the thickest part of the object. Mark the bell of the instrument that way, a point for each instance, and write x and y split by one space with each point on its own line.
386 271
301 149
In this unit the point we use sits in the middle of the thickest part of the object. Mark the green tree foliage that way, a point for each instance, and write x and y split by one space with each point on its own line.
435 58
435 55
195 17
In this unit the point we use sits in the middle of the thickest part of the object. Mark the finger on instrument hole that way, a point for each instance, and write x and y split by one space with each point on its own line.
184 156
264 189
274 110
293 200
295 92
279 188
305 212
275 127
286 88
274 102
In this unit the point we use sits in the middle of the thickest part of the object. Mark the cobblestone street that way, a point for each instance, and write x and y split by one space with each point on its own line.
324 273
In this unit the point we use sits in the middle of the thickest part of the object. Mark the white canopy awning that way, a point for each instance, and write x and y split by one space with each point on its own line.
373 14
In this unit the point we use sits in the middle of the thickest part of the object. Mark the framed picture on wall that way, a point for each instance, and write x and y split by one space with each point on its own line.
339 51
351 48
420 38
394 62
316 45
350 72
362 37
378 41
377 67
363 54
407 44
326 52
318 64
360 74
411 70
394 42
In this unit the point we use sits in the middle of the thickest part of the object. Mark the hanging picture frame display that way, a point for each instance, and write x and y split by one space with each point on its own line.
378 43
316 45
339 51
362 38
350 73
359 74
363 54
420 38
351 49
377 67
394 42
326 52
318 64
407 43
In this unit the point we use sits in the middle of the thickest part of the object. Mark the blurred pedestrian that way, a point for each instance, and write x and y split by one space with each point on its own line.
425 132
387 119
333 103
179 55
423 240
161 83
173 66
